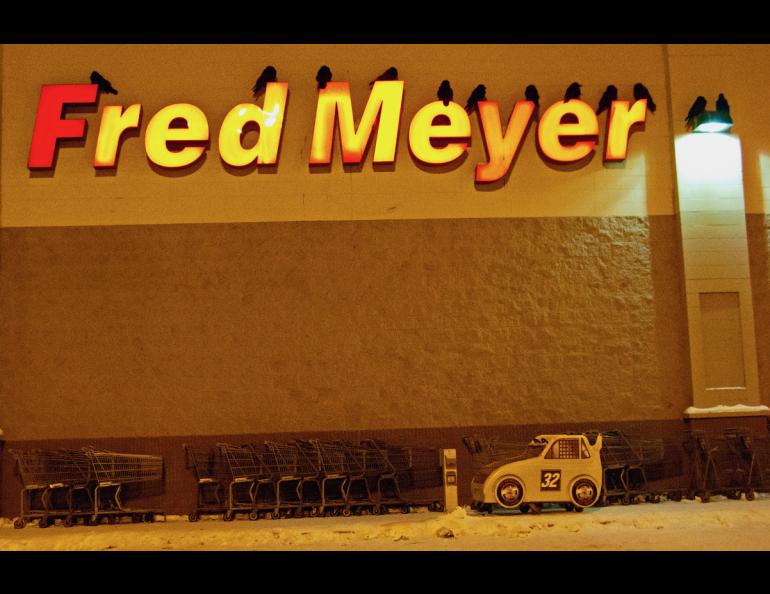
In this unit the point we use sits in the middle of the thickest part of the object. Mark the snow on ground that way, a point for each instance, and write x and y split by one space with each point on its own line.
721 524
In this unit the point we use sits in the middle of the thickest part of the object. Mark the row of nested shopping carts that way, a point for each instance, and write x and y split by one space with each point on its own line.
312 478
83 485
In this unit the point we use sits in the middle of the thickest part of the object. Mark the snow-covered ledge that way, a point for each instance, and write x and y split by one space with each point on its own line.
737 410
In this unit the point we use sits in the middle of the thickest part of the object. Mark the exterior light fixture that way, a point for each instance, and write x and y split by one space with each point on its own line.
712 121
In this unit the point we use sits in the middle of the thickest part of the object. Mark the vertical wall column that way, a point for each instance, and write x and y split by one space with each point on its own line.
717 274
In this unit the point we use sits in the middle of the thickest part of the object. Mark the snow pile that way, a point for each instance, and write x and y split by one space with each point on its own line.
724 409
690 525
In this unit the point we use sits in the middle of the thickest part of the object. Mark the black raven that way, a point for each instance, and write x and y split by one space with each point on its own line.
723 105
573 91
531 94
698 107
610 95
641 92
104 85
268 75
324 76
445 92
478 94
390 74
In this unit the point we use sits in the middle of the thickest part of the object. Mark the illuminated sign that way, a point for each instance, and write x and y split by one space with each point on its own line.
178 135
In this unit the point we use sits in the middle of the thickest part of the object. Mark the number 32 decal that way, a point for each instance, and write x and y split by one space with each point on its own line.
550 480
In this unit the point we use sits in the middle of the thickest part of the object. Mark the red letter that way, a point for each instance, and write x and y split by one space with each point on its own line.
49 125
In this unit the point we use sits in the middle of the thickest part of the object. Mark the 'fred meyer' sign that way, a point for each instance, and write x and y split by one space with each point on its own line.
178 135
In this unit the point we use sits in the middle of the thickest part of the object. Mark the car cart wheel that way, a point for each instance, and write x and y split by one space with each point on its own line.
524 508
584 493
750 495
438 506
228 516
510 493
577 509
19 523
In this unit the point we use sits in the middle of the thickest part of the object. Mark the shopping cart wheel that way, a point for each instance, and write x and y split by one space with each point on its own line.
19 523
376 510
705 497
346 512
68 522
313 512
405 509
193 517
229 516
253 515
749 495
45 522
675 496
270 515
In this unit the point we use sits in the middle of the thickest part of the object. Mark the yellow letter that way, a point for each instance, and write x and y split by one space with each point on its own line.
159 133
270 122
115 121
422 129
551 128
501 149
384 101
620 122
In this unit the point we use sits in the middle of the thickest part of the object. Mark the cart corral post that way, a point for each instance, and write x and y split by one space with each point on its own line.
449 474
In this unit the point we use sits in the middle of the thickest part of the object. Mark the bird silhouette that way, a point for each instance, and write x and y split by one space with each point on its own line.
610 95
478 94
573 91
268 75
531 94
445 92
324 76
641 92
104 85
723 105
390 74
698 107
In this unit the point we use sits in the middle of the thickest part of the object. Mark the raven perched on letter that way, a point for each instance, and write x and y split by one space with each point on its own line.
478 94
723 105
573 91
610 95
445 92
324 76
390 74
268 75
641 92
104 85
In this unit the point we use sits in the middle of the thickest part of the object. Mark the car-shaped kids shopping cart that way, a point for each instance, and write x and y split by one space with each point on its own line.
564 469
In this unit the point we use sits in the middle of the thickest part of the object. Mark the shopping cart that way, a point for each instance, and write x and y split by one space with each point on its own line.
250 485
56 484
112 471
212 477
715 467
296 478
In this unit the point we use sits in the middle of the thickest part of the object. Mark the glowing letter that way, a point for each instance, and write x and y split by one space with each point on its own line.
620 121
384 101
422 130
115 121
49 125
551 129
270 122
159 133
501 149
